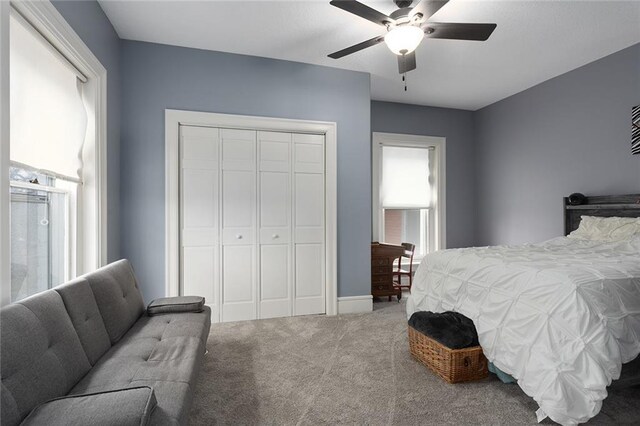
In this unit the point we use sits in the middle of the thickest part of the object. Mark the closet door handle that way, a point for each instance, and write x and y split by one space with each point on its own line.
274 236
239 236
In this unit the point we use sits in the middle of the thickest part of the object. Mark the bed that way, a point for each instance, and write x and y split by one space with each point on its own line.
560 316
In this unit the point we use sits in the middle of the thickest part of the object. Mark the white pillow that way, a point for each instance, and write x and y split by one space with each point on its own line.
607 228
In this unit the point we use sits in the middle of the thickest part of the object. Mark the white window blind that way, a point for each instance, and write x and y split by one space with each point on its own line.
405 178
47 115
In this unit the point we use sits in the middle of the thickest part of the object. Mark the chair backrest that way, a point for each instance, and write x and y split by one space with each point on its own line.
409 250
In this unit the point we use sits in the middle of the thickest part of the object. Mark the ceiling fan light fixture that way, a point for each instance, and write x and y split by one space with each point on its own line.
404 39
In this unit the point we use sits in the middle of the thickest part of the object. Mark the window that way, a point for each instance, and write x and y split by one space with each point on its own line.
407 191
48 126
408 225
39 233
405 196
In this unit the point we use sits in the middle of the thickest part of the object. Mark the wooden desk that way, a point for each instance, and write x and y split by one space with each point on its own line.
382 258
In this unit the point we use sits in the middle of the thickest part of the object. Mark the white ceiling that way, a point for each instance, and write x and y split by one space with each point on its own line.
534 40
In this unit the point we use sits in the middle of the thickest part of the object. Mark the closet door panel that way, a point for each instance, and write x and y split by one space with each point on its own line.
309 221
275 292
275 208
238 282
275 236
309 195
274 151
274 218
274 257
237 236
199 193
309 153
239 257
238 149
309 271
196 237
199 221
309 279
199 272
238 207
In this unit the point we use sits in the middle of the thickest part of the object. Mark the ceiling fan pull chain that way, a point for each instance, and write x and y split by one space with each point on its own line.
404 80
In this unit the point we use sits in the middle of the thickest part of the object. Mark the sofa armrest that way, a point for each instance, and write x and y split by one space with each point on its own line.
173 305
127 407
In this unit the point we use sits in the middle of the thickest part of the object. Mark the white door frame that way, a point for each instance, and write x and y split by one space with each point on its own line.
439 171
5 209
175 118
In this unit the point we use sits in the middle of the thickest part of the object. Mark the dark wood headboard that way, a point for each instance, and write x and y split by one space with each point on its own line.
604 206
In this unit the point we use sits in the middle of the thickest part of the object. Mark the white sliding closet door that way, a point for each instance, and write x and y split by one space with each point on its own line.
309 224
274 205
238 225
199 168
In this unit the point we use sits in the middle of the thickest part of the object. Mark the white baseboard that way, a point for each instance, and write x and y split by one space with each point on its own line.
355 304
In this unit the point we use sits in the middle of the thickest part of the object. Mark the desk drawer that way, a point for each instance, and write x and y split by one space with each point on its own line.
382 279
379 261
381 288
381 270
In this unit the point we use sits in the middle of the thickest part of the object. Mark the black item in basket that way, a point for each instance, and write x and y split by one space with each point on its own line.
451 329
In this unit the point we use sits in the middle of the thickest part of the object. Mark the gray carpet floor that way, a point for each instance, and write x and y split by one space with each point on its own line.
352 369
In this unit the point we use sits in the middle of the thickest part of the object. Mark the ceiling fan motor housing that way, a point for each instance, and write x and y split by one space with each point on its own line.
400 14
403 3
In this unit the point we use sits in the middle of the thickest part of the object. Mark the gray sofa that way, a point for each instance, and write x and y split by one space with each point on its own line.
65 351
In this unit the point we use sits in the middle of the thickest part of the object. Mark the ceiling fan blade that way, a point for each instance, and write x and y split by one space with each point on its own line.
427 8
453 31
356 47
406 62
362 11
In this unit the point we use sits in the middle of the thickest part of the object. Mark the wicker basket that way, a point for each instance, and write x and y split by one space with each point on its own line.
453 365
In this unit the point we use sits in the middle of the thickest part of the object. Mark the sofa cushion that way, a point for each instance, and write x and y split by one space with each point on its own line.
122 407
118 297
169 305
164 352
86 319
42 357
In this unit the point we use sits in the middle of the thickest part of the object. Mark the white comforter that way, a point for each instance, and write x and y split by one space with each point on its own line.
560 316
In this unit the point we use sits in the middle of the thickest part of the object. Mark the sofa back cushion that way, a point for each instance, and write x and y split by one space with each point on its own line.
41 355
86 319
116 291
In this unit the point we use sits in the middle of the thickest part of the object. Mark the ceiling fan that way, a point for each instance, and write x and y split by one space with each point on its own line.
407 26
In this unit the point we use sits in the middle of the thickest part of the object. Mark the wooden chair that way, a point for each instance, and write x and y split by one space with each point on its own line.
409 249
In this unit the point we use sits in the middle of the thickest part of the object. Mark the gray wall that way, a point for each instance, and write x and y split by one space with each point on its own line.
457 127
155 77
91 24
568 134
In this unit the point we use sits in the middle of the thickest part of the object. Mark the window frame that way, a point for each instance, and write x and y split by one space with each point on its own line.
91 247
439 181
